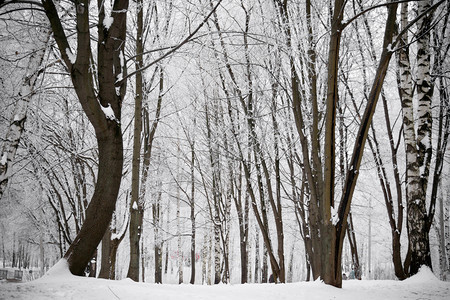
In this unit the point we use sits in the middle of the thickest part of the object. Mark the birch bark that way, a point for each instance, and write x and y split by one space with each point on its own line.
17 124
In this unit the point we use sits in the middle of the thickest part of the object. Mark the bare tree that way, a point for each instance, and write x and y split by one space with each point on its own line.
102 106
9 146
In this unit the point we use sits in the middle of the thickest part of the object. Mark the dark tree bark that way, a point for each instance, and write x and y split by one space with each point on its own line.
110 243
137 205
103 109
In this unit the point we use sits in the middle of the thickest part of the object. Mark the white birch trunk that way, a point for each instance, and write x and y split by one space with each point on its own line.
204 257
17 124
217 250
424 87
209 259
415 191
257 256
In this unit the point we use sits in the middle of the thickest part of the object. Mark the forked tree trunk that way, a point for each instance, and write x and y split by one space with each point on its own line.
333 226
103 109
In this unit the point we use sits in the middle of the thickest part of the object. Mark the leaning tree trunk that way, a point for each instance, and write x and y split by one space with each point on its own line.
102 106
395 217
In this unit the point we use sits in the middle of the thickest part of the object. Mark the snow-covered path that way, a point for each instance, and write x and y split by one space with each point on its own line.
59 284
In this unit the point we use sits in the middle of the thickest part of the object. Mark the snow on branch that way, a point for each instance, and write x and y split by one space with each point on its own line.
109 113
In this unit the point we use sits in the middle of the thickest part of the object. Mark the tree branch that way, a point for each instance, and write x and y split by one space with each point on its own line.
185 41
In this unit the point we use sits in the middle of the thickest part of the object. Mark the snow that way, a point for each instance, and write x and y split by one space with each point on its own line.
57 272
107 22
58 283
109 113
121 59
389 48
425 274
4 159
72 57
334 216
135 207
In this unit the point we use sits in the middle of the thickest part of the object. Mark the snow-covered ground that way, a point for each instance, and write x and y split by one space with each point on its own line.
58 283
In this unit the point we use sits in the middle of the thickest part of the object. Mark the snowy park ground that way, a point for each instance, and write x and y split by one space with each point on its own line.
58 283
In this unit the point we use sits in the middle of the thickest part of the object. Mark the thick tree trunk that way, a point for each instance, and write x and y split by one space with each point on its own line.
102 205
103 108
416 155
417 212
330 271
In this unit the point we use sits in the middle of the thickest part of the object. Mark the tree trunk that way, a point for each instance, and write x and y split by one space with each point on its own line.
158 263
105 256
179 246
110 244
257 257
17 124
353 247
416 155
137 207
41 256
205 258
333 229
157 224
192 216
265 266
93 265
103 108
217 252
